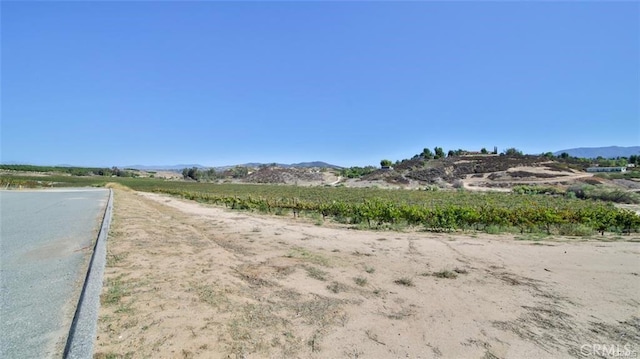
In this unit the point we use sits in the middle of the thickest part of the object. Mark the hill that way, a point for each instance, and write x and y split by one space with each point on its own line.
180 167
164 167
604 152
471 171
318 164
479 172
315 164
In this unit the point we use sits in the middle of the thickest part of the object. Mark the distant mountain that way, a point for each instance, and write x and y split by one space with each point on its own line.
605 152
315 164
257 164
318 164
223 168
163 167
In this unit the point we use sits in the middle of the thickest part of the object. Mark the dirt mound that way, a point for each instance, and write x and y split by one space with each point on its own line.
392 177
487 171
406 165
284 175
459 167
478 172
523 175
489 168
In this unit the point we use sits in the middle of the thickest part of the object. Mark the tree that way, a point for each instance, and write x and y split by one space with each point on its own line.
512 152
621 162
451 153
385 163
439 152
118 172
239 172
564 155
426 153
193 173
484 151
548 154
355 172
207 175
105 172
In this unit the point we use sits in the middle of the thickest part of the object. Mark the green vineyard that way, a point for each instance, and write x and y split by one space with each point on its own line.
443 211
434 211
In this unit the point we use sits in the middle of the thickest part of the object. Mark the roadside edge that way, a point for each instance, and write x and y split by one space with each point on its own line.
84 326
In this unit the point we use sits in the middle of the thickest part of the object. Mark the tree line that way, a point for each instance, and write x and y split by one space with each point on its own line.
74 171
210 174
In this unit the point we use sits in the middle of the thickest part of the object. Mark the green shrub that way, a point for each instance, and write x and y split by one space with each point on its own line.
536 190
604 194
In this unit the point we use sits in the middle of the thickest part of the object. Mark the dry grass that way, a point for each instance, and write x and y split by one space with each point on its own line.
316 273
336 287
445 274
117 289
361 281
308 256
405 281
211 295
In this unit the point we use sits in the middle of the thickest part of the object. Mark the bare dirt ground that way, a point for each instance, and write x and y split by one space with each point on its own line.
529 176
163 174
186 280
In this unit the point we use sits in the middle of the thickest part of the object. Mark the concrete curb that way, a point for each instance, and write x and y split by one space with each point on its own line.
83 328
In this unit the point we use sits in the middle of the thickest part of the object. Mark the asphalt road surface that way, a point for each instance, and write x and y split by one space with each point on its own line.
46 241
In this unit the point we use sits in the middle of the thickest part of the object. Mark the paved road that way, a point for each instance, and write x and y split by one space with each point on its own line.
46 240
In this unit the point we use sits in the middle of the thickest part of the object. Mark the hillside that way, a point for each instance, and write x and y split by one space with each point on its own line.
479 172
473 172
180 167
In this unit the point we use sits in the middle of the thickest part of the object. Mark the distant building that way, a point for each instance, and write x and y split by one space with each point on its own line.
606 169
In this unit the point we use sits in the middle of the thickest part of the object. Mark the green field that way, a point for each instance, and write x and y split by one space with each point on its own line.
381 208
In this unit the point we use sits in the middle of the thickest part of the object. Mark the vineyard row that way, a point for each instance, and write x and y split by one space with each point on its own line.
440 217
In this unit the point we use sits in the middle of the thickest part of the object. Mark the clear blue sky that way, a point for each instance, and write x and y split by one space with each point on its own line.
350 83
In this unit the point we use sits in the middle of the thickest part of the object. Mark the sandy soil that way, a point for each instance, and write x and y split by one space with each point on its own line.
185 280
485 184
164 174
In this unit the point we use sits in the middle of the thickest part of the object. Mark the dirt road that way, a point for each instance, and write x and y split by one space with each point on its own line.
186 280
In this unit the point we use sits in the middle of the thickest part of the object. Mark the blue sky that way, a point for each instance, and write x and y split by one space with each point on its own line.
350 83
